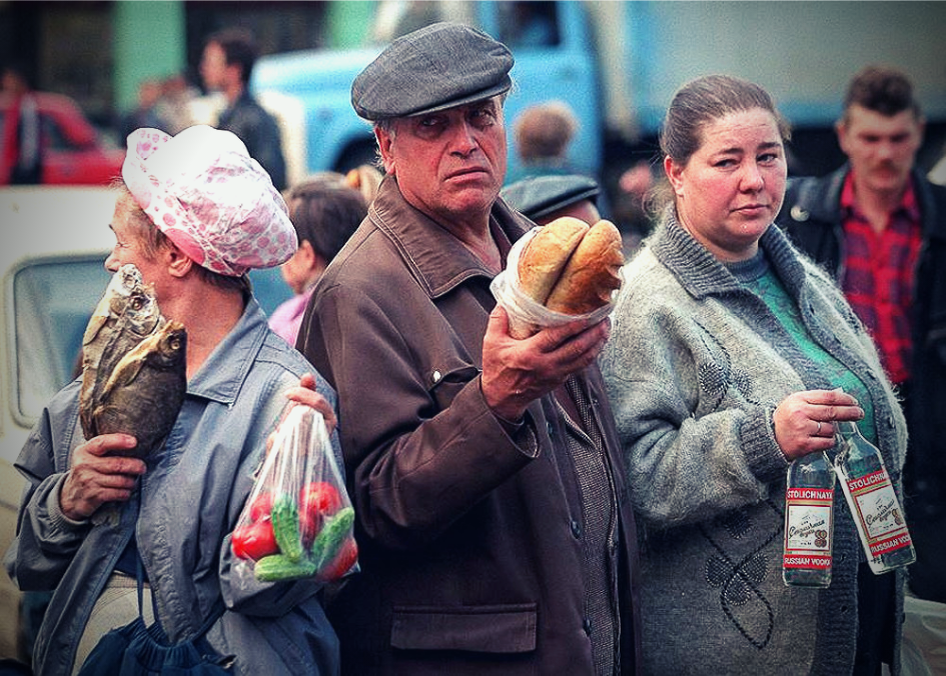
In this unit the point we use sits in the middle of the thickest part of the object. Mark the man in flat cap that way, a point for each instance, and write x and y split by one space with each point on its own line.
493 521
544 198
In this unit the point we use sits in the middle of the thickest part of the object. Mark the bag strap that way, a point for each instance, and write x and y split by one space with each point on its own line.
139 575
216 612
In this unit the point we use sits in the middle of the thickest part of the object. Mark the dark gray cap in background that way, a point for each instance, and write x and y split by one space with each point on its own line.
441 66
540 196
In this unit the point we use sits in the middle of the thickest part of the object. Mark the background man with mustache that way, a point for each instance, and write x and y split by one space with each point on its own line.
880 227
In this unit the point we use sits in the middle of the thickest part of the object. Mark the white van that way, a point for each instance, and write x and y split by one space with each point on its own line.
55 241
54 244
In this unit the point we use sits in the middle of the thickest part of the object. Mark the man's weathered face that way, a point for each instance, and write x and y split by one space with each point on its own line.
881 149
450 165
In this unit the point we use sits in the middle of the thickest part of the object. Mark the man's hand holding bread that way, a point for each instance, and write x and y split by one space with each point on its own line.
570 268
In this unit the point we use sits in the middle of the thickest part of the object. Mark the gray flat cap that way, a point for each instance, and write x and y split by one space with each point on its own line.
441 66
540 196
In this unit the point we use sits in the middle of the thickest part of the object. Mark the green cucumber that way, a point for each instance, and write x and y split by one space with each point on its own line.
285 516
277 567
332 536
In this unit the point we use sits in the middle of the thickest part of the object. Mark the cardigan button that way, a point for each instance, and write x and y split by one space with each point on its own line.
576 529
798 213
586 625
550 428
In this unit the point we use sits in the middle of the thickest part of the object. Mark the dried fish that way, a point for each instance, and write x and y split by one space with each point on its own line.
126 314
145 391
134 365
110 308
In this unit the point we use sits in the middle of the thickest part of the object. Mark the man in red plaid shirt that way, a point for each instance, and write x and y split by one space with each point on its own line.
879 226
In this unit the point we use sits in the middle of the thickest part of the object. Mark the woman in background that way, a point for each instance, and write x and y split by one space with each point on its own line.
325 211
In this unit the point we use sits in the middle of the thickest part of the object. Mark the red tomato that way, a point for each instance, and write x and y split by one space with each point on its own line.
319 499
254 541
342 563
309 526
262 506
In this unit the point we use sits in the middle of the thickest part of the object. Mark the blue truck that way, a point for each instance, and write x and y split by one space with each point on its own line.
617 65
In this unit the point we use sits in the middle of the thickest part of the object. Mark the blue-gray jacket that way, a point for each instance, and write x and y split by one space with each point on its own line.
189 500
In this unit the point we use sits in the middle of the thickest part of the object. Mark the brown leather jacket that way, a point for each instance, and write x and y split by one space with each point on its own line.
470 538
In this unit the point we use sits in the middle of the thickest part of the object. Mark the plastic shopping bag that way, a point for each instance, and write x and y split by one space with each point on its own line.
298 520
525 315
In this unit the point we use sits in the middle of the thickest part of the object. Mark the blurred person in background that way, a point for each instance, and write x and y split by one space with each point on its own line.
541 135
879 226
631 207
21 151
325 211
174 102
226 65
146 113
544 198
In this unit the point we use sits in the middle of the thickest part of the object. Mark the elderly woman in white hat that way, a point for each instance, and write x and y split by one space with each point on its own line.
194 214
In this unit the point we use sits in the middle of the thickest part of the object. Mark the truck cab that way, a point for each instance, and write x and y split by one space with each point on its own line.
551 42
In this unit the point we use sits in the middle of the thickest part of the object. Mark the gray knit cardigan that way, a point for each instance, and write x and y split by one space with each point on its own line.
694 367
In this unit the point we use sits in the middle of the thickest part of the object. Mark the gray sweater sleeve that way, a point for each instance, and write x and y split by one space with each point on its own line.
691 402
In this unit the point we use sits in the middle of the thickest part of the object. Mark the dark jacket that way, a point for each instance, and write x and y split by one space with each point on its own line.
470 538
811 216
259 132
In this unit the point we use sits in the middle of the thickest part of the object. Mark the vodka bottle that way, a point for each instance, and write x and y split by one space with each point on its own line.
809 521
872 501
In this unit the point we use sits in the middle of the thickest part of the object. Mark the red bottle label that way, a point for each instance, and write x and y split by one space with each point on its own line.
808 528
879 513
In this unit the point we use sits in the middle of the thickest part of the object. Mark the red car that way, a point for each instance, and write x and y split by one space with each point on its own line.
73 153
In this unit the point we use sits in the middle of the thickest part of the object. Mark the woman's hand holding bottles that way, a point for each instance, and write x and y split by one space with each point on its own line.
804 422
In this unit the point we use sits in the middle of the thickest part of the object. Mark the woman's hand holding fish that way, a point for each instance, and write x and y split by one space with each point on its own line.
95 477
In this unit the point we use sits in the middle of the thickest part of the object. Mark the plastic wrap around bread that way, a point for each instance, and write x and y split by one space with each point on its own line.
558 272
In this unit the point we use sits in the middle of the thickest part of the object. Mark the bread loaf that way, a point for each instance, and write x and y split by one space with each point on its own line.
544 257
591 274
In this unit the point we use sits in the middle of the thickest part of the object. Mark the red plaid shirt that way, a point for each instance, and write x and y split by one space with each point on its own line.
878 275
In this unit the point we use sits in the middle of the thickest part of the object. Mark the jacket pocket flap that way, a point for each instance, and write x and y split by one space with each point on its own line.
490 629
446 383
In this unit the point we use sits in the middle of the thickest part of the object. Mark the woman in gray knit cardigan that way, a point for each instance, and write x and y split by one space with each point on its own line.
730 356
